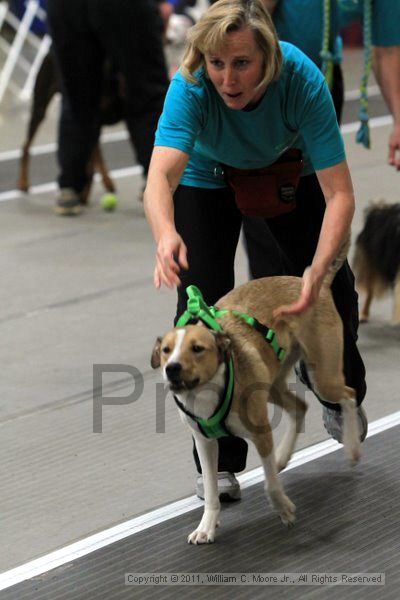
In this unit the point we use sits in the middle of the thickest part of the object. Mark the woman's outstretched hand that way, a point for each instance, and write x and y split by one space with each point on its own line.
171 257
311 285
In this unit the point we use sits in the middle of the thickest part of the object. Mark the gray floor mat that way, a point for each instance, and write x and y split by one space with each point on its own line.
348 521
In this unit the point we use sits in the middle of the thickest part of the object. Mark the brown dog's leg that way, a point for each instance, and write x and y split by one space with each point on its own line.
96 163
85 193
364 314
273 485
23 169
100 166
263 441
46 86
326 360
396 300
296 409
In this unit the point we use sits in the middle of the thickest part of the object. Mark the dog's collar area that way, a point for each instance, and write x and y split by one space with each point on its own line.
214 426
198 309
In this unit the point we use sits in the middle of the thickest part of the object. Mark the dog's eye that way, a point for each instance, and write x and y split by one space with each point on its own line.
197 348
166 350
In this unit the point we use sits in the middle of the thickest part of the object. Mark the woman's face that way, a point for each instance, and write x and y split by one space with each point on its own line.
237 69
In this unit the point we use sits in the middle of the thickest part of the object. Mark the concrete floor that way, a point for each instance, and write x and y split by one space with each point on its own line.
78 293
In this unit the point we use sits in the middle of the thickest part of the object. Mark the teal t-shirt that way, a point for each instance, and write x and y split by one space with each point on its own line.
385 19
301 22
295 112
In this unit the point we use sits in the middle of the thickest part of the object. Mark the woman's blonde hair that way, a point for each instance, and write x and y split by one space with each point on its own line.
223 17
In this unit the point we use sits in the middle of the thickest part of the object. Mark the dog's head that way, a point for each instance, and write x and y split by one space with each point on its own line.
189 356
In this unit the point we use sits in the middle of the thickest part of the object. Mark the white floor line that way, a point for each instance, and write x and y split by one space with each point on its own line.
110 136
51 187
372 90
104 538
375 122
122 134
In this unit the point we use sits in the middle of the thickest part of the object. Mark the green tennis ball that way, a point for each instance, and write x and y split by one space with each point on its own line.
109 201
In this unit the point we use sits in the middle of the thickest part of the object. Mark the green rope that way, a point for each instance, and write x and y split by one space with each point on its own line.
363 134
326 54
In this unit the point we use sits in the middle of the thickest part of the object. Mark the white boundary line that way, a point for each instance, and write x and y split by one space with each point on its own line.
137 169
109 536
111 136
375 122
372 90
121 135
51 187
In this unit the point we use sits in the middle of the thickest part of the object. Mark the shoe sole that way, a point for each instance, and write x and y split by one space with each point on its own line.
68 212
228 498
224 497
361 416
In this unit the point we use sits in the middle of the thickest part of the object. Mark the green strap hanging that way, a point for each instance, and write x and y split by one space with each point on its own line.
363 134
326 54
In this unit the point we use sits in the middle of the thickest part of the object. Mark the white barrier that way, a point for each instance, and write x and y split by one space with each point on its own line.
14 51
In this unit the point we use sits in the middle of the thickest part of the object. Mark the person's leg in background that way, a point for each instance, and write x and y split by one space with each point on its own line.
259 243
337 91
79 58
75 148
132 35
209 223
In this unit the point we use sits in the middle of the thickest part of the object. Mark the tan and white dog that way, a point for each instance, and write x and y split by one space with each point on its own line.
194 360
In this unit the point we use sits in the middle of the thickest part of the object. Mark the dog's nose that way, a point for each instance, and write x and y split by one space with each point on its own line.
173 370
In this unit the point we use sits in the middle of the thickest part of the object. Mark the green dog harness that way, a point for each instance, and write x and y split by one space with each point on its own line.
214 427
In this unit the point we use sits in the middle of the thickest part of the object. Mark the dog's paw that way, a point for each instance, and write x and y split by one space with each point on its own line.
201 537
353 454
287 513
205 532
285 508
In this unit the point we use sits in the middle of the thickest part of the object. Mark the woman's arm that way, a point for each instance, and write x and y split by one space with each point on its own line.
333 239
165 171
386 61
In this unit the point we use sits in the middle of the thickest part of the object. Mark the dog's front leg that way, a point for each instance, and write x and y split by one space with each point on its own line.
273 485
208 455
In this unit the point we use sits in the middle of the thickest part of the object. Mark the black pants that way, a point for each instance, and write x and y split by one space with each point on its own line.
84 32
259 242
209 224
296 236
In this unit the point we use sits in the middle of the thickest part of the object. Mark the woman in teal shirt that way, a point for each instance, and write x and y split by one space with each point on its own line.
241 99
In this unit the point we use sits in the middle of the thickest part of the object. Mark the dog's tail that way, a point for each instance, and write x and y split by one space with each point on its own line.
338 261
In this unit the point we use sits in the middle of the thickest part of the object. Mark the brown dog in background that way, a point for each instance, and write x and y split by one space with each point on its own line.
46 86
377 257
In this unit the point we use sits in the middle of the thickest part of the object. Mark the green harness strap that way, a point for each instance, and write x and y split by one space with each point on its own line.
214 427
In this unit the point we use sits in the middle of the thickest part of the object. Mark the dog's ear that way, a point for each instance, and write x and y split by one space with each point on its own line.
223 342
155 355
